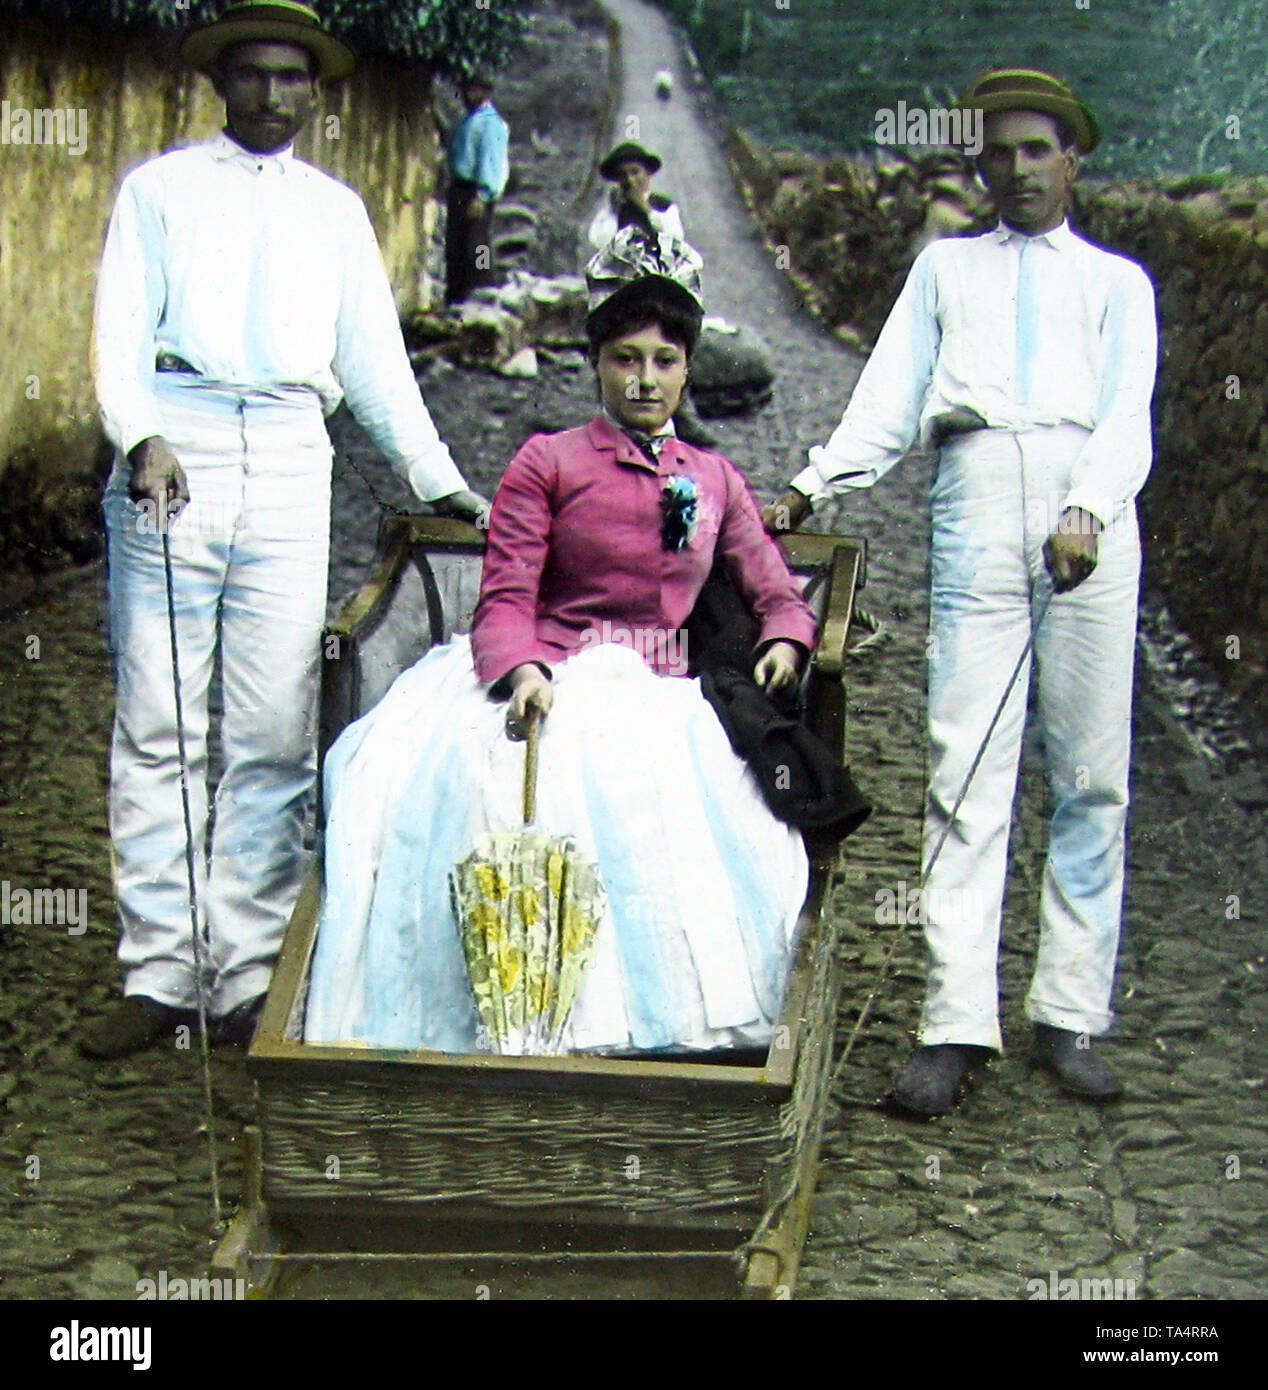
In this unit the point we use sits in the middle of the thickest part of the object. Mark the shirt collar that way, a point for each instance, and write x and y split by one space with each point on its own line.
1060 238
666 431
224 146
606 432
648 445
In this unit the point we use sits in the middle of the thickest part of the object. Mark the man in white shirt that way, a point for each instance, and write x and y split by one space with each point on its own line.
629 168
1028 355
241 296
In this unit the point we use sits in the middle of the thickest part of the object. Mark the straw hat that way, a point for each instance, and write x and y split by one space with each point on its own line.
628 153
1024 89
277 21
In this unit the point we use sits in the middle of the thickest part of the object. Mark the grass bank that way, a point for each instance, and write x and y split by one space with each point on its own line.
1171 80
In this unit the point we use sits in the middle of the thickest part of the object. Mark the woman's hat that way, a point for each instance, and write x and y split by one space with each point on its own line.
1024 89
628 153
634 269
278 21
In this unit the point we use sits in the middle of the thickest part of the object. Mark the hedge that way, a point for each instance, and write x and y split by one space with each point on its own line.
454 37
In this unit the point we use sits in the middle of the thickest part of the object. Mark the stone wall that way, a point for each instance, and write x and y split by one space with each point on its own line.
376 131
847 234
1205 507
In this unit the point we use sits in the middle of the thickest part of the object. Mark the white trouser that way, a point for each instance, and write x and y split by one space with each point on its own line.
996 499
249 558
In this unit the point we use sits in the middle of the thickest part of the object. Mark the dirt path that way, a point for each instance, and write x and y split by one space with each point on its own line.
741 281
1021 1180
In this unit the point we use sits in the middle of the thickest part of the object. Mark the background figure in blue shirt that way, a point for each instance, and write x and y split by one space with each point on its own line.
477 177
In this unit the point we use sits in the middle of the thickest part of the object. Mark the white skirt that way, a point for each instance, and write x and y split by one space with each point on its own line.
704 885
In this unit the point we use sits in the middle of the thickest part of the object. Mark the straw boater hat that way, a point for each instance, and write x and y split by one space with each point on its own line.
278 21
635 269
1024 89
628 153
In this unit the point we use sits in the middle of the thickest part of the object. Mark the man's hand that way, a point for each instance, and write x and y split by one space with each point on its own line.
157 479
477 207
1070 552
641 198
776 668
530 690
786 514
466 506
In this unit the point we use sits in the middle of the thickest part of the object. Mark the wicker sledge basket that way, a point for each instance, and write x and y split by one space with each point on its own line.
496 1171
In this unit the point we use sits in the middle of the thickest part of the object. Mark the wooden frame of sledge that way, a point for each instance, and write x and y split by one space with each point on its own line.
490 1164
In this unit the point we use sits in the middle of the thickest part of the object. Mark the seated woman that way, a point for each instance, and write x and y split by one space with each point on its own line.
599 542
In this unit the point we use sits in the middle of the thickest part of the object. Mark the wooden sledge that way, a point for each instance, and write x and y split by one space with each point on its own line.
485 1176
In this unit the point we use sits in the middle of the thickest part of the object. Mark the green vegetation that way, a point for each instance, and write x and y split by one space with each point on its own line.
1164 76
449 36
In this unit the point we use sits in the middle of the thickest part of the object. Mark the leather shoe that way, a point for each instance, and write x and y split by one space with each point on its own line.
132 1024
238 1025
1070 1058
930 1082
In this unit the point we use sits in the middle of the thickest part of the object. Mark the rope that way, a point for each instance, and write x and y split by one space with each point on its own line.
209 1116
942 839
383 504
981 752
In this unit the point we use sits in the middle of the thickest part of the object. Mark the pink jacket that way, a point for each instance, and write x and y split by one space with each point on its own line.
574 553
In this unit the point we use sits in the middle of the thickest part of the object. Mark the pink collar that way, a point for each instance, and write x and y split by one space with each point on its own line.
609 438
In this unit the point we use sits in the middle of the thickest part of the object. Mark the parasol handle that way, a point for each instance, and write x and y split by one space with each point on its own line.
530 767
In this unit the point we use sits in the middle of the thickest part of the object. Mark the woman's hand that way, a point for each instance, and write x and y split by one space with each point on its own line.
777 666
531 690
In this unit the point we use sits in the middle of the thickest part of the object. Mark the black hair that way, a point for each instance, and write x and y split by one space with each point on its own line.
1065 133
677 323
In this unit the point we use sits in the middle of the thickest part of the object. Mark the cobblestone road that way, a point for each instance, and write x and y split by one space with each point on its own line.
105 1174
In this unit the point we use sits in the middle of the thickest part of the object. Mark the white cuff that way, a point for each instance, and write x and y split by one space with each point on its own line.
1102 508
433 477
812 482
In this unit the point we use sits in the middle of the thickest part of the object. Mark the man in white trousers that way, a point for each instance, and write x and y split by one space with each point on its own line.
241 296
1028 356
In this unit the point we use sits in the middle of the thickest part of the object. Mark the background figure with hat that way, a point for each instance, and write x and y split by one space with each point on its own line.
478 171
600 541
241 296
632 205
630 201
1027 356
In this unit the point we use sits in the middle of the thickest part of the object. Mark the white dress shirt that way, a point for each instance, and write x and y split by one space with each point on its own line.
666 219
1024 331
262 273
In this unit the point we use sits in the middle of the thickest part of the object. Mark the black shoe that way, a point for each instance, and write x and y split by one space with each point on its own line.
930 1082
239 1024
131 1025
1070 1058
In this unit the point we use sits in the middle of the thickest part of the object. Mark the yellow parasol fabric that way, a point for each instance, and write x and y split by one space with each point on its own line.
528 908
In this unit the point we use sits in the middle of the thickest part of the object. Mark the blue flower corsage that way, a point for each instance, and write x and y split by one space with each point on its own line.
679 507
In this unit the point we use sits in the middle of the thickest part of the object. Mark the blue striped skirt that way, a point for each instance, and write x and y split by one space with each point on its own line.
704 885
